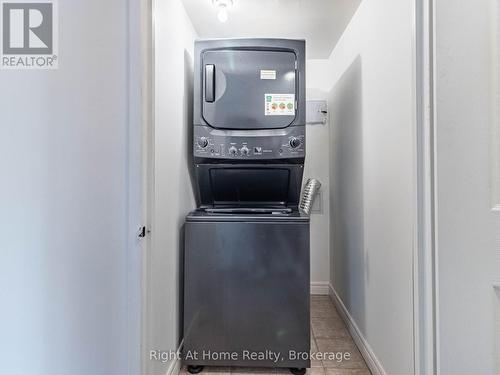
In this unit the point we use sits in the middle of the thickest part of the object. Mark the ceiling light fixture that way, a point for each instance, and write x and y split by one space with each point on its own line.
222 7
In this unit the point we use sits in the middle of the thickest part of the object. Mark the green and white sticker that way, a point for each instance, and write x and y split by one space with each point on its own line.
279 104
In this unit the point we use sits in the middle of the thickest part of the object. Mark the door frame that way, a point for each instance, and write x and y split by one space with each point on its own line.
138 128
140 182
425 238
147 168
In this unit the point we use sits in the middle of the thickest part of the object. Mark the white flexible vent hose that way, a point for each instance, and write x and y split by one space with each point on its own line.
308 195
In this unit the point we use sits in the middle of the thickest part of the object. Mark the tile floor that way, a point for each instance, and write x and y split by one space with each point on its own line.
328 334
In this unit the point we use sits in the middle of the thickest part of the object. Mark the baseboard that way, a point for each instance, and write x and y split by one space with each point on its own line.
366 351
175 366
320 287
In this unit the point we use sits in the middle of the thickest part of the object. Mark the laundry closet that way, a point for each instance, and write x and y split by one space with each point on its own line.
359 100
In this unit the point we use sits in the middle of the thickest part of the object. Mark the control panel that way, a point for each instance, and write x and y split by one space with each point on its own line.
254 145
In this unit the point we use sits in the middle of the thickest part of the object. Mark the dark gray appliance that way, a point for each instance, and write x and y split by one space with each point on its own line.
246 259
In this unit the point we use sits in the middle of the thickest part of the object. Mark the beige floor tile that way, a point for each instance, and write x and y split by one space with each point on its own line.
337 371
317 297
341 346
334 344
332 327
316 371
321 301
316 363
322 312
314 347
323 309
355 361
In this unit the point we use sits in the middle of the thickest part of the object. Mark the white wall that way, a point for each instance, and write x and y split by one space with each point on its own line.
173 195
65 260
369 77
467 162
316 166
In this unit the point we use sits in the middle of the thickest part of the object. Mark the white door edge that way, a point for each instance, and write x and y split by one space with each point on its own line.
424 280
145 10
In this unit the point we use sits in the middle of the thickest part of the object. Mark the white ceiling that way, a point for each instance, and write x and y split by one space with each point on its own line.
320 22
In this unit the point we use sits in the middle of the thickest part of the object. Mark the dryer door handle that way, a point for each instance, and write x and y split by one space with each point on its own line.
210 83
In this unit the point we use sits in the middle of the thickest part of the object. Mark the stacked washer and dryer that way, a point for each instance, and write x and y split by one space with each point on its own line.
246 256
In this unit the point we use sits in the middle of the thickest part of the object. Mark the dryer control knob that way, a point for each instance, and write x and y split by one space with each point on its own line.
203 142
244 150
294 142
233 151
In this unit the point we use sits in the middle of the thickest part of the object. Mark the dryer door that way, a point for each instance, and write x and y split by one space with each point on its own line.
249 89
